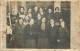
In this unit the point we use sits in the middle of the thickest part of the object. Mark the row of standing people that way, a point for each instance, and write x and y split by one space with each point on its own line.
40 34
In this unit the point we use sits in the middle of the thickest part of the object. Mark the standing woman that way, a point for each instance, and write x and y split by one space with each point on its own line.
57 16
19 34
64 37
52 35
30 35
43 37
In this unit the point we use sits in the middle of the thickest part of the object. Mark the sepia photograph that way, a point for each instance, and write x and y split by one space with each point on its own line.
38 25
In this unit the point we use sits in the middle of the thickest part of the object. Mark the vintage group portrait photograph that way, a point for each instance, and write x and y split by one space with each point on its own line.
38 25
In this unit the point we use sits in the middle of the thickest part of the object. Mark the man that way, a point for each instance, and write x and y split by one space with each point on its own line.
30 35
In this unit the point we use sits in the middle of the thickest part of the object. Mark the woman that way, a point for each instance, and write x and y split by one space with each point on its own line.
43 37
21 14
52 35
41 12
30 35
64 37
19 34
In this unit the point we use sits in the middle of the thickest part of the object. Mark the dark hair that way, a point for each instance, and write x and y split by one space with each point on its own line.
57 8
23 8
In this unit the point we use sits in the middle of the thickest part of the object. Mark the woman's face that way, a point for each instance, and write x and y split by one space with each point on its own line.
49 10
27 18
36 8
41 10
22 10
30 15
32 21
29 10
16 20
51 21
39 16
57 10
20 21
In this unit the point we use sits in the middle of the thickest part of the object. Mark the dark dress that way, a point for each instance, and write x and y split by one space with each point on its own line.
57 17
43 38
53 36
64 38
49 16
30 36
19 36
34 15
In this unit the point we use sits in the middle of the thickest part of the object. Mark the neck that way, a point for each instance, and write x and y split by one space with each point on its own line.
52 24
20 23
35 10
62 26
38 19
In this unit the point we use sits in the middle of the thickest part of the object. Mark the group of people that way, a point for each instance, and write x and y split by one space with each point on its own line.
40 29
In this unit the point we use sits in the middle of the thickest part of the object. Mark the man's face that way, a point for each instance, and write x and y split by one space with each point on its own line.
22 10
49 10
36 8
52 22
